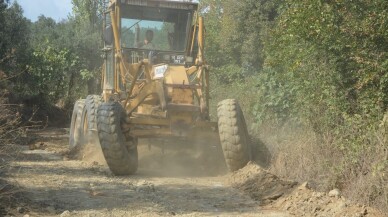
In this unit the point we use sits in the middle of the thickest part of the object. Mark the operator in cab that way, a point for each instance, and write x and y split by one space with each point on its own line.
147 43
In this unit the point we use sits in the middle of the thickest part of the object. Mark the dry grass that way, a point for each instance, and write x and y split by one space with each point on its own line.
299 155
296 154
370 185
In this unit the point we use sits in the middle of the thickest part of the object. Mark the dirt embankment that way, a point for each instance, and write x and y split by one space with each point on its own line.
296 199
172 181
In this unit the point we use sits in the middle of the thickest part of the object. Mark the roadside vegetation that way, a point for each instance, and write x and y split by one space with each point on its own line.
312 77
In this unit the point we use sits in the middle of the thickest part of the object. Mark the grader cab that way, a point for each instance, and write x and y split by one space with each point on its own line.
155 85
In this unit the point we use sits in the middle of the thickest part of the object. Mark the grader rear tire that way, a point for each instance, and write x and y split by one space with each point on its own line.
89 120
120 155
76 136
233 133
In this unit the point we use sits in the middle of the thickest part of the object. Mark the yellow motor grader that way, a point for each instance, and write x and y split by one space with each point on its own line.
155 85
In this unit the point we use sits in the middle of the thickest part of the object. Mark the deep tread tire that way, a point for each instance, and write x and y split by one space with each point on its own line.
76 137
120 155
89 120
233 133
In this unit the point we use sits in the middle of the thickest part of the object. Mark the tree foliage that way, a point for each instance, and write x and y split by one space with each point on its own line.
236 31
47 62
309 58
14 37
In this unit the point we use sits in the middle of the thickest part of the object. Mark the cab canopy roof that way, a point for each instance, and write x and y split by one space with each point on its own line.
176 4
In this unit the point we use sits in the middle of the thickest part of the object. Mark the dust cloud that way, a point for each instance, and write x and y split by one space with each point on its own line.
181 158
90 152
196 156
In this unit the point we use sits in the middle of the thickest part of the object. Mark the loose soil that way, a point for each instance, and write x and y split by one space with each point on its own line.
172 180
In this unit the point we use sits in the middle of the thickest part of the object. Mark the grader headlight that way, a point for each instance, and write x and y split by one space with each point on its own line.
159 71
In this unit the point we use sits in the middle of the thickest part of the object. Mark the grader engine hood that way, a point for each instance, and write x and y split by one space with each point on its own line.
176 81
179 96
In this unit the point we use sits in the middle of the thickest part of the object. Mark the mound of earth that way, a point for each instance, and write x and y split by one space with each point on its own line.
305 202
299 200
260 184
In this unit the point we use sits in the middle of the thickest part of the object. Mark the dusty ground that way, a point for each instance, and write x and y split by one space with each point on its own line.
179 182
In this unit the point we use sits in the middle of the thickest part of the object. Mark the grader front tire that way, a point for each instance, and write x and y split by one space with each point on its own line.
233 133
89 119
120 156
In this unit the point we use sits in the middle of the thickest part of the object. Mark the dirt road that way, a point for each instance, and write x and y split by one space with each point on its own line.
178 182
165 185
